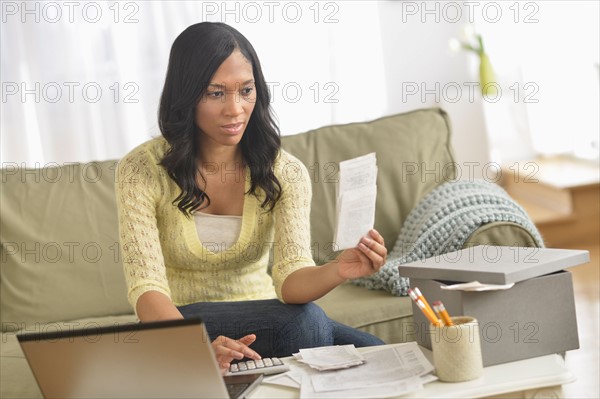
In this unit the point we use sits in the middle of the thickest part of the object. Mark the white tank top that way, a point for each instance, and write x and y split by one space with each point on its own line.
217 232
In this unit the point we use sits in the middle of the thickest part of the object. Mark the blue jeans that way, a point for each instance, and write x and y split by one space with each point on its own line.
280 329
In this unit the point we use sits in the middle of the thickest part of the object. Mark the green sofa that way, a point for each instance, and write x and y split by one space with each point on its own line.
61 267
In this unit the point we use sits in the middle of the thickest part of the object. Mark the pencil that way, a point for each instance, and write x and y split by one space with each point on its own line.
428 313
421 297
443 313
424 308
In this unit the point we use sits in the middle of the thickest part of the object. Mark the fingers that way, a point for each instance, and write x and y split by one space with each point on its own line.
376 236
365 259
227 349
248 339
245 342
238 348
374 248
224 367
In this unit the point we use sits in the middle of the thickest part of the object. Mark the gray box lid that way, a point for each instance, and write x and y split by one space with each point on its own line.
490 264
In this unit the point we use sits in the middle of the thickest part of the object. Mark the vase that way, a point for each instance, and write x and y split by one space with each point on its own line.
487 77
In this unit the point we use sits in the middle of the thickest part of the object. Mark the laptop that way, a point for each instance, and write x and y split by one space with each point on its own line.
167 359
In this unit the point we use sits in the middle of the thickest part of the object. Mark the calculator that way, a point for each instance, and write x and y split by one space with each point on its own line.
266 365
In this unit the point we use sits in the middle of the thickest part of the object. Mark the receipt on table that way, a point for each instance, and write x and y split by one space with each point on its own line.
330 357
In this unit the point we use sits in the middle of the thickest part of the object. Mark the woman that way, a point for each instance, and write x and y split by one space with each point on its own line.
201 208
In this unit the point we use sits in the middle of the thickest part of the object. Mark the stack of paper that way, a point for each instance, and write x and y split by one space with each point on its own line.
387 371
330 357
356 196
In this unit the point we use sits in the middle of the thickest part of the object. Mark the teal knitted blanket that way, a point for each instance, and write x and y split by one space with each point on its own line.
442 222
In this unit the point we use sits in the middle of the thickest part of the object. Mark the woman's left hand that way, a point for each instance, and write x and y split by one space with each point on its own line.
364 259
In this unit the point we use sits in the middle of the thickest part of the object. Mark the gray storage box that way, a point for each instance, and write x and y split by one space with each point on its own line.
533 318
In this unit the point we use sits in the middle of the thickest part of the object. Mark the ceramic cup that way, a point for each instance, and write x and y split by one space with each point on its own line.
457 350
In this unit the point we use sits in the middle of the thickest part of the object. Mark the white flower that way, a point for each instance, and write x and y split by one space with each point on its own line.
454 45
468 33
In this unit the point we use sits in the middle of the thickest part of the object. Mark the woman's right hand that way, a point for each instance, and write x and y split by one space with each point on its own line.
227 349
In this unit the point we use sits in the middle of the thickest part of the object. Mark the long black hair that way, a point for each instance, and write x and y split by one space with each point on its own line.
195 56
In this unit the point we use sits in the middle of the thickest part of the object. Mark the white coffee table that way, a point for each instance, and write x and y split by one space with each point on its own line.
539 377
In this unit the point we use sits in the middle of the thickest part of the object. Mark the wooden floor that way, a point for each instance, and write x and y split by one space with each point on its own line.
584 362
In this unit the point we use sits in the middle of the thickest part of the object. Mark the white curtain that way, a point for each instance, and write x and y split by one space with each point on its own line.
81 81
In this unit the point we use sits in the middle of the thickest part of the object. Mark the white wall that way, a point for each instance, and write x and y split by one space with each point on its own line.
417 57
409 49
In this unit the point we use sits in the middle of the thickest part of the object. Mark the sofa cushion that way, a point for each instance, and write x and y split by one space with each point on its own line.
413 156
60 256
376 312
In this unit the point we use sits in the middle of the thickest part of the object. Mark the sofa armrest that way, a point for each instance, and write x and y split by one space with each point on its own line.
507 234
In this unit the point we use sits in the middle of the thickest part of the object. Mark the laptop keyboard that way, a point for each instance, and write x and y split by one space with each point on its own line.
235 390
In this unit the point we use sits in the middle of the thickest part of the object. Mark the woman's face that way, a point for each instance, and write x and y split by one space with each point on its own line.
223 112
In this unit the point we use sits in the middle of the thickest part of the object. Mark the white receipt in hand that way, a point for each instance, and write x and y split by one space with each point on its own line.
356 195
